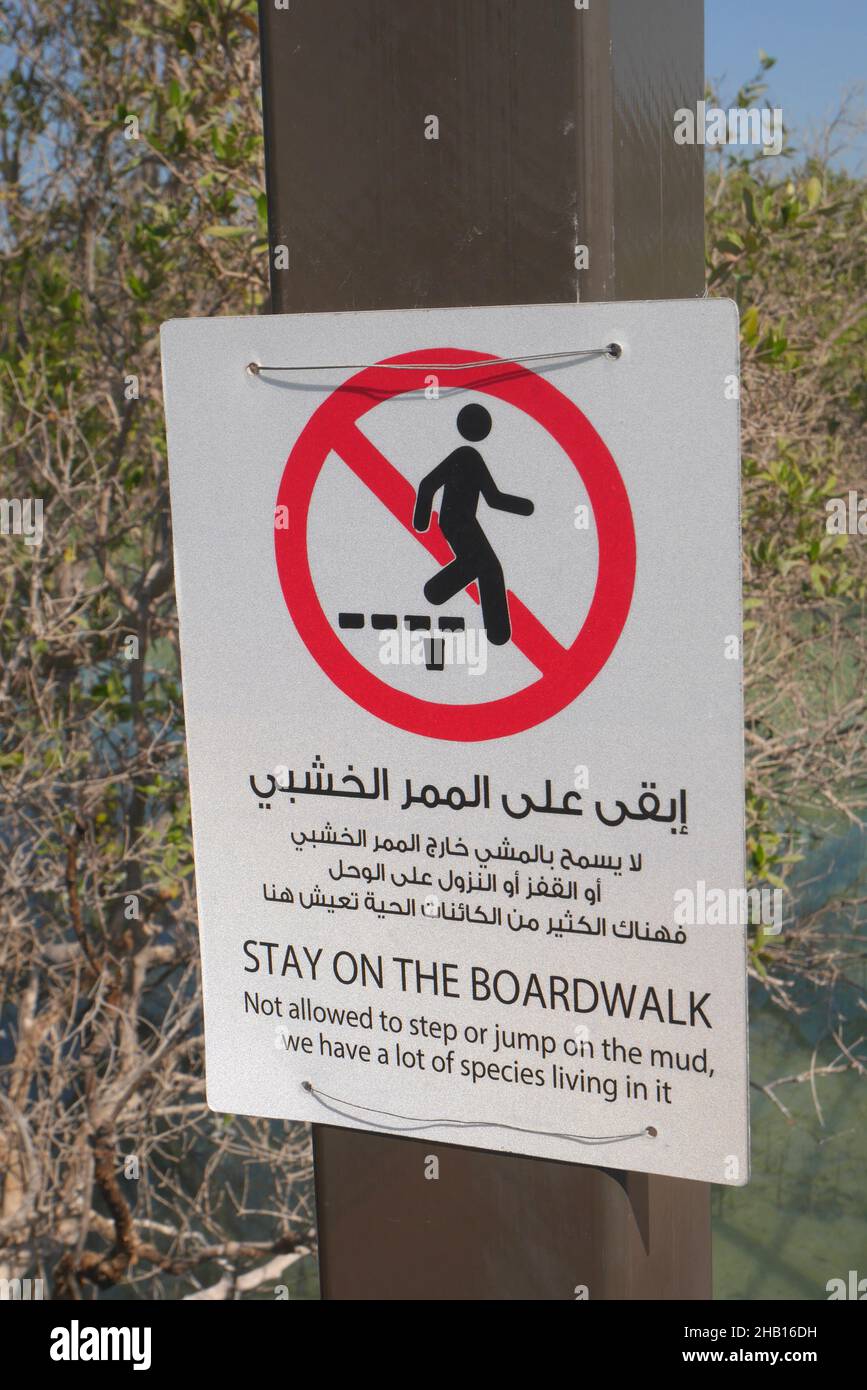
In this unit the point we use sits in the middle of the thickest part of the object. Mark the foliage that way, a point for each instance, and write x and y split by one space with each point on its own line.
102 237
787 239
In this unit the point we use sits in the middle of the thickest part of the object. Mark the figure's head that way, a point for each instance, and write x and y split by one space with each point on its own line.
474 423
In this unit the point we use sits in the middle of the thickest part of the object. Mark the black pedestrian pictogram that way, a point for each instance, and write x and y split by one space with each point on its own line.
464 478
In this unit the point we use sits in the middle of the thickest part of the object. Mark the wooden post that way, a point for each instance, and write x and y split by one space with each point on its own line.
454 152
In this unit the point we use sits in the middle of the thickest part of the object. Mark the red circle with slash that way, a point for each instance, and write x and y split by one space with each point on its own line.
564 671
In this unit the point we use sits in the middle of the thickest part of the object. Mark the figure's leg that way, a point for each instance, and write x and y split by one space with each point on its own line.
449 581
495 606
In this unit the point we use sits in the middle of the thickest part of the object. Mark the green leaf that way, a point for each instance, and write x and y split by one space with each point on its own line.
750 324
732 244
814 192
750 206
136 285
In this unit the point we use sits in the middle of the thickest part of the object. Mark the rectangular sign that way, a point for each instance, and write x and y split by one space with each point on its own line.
460 622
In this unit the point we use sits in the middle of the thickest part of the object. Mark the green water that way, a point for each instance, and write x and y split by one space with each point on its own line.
803 1218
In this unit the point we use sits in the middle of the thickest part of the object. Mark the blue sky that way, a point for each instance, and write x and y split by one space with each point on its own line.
820 47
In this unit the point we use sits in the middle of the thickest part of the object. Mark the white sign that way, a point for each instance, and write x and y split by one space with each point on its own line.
461 658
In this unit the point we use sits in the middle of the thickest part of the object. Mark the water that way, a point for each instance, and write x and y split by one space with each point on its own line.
803 1218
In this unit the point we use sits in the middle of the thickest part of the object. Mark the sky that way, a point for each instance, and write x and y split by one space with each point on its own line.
820 47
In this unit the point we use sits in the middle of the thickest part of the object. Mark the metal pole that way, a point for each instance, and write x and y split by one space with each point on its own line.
453 152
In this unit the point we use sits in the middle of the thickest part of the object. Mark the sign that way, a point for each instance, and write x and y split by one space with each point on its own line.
460 638
558 673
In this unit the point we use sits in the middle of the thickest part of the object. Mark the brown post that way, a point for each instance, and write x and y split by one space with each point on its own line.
555 130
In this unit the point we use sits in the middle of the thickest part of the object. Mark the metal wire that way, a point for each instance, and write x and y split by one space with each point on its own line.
418 1122
610 350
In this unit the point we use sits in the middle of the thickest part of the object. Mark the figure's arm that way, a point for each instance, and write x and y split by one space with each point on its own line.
427 491
502 501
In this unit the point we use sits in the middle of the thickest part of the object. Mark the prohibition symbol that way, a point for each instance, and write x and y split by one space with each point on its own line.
564 671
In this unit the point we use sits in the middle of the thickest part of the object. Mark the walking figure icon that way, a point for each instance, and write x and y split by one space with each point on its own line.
464 478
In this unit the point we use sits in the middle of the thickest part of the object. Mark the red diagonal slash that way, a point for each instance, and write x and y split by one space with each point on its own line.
562 673
385 481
